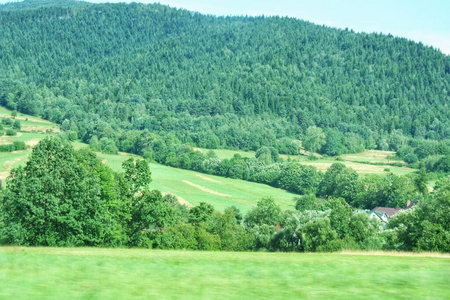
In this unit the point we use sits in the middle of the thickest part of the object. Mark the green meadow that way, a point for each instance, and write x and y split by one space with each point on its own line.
86 273
193 187
367 162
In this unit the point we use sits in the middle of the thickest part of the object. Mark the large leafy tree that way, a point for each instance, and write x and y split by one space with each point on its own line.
339 181
314 139
55 200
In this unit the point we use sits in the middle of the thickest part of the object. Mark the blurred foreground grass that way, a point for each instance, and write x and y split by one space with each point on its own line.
88 273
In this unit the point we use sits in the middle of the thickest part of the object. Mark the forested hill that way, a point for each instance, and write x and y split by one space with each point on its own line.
113 70
32 4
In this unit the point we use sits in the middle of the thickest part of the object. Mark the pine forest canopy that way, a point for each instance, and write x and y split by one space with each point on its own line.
109 70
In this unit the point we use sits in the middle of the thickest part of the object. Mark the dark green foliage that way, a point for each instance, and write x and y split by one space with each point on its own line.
318 235
33 4
201 213
388 191
266 212
11 132
236 82
363 233
137 174
426 227
16 145
299 178
268 155
313 139
334 143
16 125
64 197
54 201
306 202
156 81
7 121
19 145
339 181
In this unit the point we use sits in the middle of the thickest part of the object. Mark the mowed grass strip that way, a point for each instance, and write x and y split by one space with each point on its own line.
239 193
362 163
87 273
30 123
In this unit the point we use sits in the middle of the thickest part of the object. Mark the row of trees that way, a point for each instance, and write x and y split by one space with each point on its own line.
268 168
64 197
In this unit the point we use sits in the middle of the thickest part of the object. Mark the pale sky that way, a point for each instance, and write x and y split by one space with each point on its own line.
427 21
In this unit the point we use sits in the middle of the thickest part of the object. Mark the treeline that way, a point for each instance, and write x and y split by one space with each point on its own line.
433 156
109 70
63 197
268 168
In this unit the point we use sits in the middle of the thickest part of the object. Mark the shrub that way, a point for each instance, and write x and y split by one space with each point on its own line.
11 132
16 125
7 148
7 121
19 145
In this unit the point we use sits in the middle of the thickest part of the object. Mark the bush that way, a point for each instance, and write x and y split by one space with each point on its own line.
19 145
7 148
7 121
16 125
410 158
397 164
11 132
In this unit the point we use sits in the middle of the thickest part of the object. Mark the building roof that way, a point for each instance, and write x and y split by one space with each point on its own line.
378 214
390 211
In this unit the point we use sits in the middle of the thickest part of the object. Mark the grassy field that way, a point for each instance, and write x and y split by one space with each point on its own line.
368 162
30 123
86 273
33 130
193 187
221 192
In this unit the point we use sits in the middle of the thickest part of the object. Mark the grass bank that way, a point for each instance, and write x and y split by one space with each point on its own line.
75 273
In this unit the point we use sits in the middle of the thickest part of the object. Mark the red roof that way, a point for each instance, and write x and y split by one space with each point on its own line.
388 210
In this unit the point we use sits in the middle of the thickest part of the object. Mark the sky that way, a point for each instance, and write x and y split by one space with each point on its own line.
426 21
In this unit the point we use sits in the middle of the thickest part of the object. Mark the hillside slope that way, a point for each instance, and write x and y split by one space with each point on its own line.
238 82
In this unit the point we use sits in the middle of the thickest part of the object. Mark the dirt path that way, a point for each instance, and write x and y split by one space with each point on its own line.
206 189
181 200
206 178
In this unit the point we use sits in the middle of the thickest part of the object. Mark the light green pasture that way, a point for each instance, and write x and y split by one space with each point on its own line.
87 273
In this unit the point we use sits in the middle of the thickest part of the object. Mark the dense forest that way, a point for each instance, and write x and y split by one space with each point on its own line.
124 75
